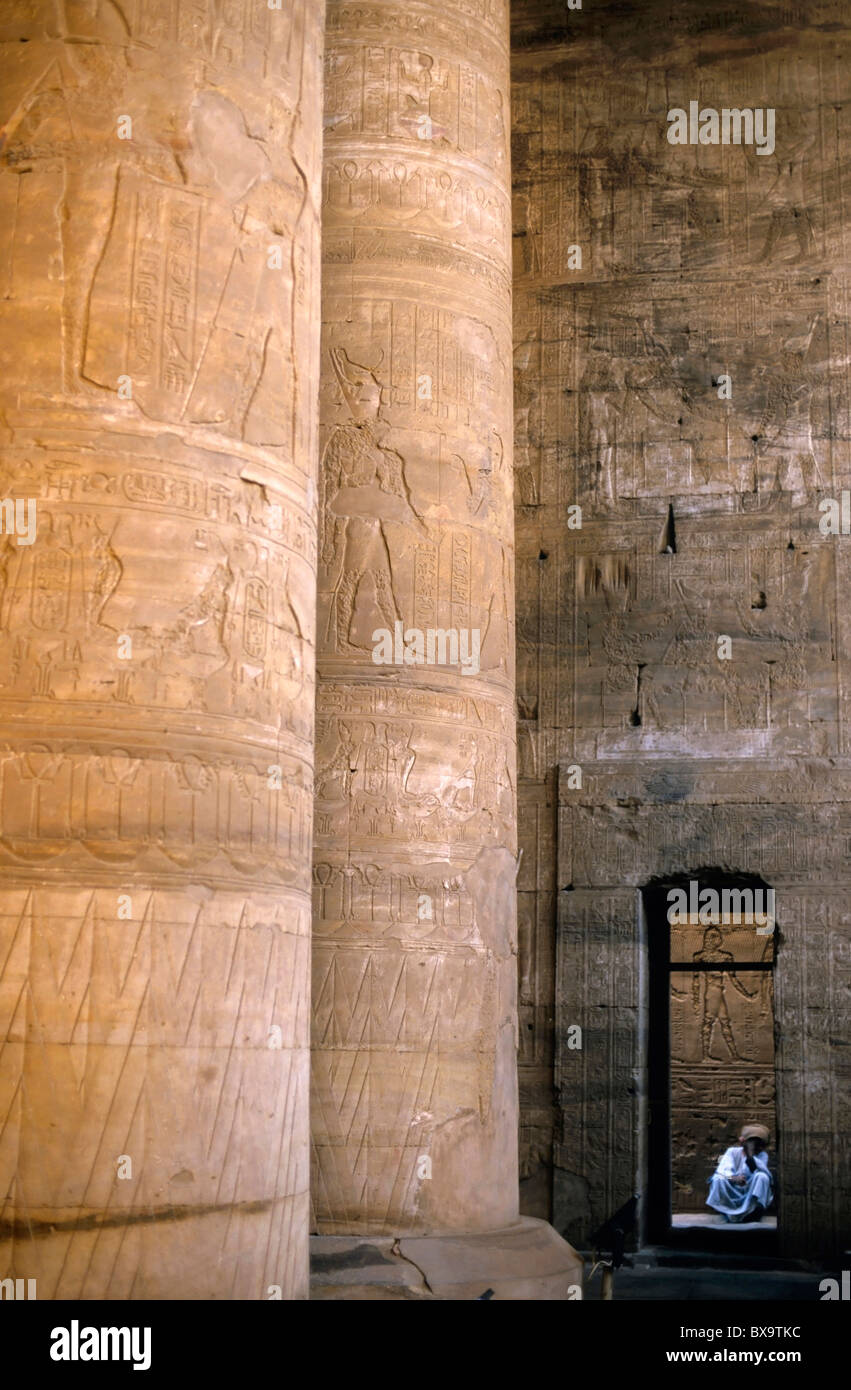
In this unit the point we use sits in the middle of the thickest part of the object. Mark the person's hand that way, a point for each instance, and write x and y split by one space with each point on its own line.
740 1180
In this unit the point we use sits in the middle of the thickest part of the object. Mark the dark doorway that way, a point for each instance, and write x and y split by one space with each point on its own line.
711 946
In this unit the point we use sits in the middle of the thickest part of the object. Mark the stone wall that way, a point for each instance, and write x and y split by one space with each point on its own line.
681 375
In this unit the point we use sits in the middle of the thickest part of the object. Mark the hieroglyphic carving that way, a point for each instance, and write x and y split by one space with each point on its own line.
414 988
389 92
696 265
229 636
160 186
722 1052
676 818
428 200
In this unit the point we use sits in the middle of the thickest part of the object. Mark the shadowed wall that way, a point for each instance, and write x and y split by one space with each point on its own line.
685 382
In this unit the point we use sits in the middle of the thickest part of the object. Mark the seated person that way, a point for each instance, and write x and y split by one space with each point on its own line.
741 1188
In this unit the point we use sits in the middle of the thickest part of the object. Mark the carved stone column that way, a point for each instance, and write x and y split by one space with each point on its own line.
159 345
414 1108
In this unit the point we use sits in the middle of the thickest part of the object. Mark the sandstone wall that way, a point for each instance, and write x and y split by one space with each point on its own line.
700 519
159 246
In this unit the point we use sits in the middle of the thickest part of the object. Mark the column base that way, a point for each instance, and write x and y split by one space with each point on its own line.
527 1260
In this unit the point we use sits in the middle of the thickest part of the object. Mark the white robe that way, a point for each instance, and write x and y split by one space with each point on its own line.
737 1200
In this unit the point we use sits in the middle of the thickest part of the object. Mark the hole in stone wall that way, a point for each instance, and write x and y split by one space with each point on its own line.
668 537
635 715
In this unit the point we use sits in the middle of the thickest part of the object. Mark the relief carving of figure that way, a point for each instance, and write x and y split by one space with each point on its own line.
785 433
601 404
480 497
197 636
52 599
525 398
334 770
364 489
714 987
107 569
786 197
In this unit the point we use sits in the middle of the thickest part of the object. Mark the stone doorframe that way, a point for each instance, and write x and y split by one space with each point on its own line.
639 822
750 1086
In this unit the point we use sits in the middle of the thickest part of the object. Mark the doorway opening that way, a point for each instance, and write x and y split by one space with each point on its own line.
711 947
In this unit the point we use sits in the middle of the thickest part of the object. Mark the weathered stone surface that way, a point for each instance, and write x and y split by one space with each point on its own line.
158 366
681 427
526 1261
369 1270
722 1052
414 1074
700 520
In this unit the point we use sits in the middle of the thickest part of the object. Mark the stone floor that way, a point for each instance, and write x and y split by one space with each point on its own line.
697 1284
658 1273
687 1219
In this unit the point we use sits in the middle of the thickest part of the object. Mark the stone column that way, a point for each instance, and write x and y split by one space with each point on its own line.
414 1108
159 343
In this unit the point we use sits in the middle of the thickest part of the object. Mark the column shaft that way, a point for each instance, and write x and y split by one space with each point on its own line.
159 344
414 1077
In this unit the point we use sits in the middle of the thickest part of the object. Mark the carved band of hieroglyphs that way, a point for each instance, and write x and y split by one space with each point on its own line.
425 903
277 516
60 808
404 94
474 27
254 40
405 193
376 778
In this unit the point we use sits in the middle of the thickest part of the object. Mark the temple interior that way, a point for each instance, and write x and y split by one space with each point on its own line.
425 677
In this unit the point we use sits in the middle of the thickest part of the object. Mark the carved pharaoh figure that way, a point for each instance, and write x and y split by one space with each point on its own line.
600 408
787 198
364 490
715 1009
786 427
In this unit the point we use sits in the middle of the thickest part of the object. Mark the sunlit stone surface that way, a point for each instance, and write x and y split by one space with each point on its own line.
414 977
158 365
